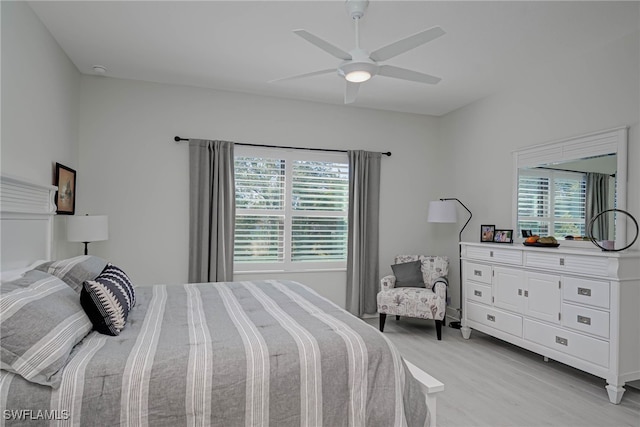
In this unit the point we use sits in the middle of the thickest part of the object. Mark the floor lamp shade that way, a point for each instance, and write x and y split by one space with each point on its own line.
88 228
442 211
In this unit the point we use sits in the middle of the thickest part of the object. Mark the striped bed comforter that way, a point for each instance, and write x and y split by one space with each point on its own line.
227 354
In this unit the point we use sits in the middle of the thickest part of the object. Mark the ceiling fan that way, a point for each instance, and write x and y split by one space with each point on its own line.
359 65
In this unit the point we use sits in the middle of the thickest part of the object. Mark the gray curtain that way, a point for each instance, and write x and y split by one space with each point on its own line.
597 201
362 253
212 211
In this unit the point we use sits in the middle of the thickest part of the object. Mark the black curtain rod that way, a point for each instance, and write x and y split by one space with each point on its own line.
569 170
178 139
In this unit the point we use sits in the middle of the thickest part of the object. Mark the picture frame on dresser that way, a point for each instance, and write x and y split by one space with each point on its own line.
487 232
503 236
66 195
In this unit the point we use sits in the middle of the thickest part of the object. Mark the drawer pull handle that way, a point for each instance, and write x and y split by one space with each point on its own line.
584 291
477 273
491 318
561 261
526 294
519 292
491 254
477 293
584 320
562 341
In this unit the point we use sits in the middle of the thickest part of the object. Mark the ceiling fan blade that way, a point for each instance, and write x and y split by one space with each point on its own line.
324 45
408 43
300 76
404 74
351 92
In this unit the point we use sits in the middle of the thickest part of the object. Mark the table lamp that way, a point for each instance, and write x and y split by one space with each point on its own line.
87 228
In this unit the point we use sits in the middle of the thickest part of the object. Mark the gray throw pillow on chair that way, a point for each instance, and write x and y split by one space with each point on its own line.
408 274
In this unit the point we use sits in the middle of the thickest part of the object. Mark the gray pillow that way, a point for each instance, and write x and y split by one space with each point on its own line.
74 271
42 320
408 274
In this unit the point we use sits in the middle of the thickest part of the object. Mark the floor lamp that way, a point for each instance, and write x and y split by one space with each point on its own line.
444 211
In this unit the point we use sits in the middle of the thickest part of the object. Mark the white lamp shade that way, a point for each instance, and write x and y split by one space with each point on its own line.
442 211
88 228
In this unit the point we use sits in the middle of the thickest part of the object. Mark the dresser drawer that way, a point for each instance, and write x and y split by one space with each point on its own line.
587 265
478 292
585 291
580 346
478 272
586 319
498 319
495 254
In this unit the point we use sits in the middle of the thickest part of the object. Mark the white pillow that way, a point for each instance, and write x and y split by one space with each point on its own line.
10 275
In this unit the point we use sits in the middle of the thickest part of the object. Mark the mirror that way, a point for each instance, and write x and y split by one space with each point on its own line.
559 199
561 186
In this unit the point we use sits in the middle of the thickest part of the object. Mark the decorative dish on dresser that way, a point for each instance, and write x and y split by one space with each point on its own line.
546 241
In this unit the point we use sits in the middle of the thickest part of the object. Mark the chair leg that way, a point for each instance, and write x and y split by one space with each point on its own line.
397 317
383 317
439 329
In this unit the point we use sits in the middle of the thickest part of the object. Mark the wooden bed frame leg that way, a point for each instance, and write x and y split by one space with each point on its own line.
383 317
439 329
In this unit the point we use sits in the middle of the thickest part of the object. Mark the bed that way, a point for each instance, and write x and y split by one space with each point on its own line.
251 353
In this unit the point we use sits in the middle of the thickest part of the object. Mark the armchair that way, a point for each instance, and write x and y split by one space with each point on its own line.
427 302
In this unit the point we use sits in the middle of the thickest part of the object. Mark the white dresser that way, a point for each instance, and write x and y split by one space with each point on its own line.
580 307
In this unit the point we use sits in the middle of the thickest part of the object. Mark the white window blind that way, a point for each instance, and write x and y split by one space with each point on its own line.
569 204
291 210
259 232
551 202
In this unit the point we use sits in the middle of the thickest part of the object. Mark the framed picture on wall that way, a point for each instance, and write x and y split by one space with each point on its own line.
66 194
487 232
503 236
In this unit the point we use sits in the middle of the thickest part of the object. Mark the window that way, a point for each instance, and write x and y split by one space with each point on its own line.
552 202
291 209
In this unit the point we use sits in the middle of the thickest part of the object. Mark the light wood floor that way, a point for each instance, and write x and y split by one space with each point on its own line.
489 382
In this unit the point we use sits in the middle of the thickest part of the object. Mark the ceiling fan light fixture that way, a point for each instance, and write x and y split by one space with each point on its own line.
358 70
358 76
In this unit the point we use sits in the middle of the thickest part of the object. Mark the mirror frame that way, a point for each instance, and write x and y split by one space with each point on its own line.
575 148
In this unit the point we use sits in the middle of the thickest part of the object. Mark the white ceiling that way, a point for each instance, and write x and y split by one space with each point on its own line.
242 45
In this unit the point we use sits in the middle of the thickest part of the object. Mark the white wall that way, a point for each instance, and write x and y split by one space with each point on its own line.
40 97
592 91
138 176
118 135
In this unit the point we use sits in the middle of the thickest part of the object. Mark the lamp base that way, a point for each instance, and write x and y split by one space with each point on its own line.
455 325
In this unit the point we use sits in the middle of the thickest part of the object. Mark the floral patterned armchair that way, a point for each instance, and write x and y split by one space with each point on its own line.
429 302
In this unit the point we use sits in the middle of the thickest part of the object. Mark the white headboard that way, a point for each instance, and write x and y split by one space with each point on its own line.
26 226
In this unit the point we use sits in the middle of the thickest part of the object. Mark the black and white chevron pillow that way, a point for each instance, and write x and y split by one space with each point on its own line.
108 299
